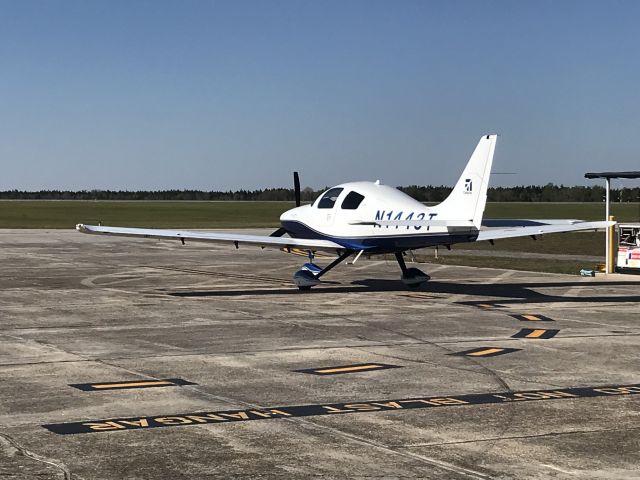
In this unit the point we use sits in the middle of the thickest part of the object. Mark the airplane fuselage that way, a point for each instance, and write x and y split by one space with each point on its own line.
353 215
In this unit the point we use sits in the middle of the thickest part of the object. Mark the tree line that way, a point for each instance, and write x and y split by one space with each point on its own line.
531 193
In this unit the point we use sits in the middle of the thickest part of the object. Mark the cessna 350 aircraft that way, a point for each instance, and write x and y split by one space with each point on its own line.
367 217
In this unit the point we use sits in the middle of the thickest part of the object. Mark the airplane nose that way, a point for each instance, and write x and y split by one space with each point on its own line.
289 214
285 216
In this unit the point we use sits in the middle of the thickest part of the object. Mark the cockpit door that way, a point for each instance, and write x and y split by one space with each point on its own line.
327 206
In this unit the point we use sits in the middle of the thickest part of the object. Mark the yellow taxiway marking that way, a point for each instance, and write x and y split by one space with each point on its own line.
348 369
487 351
131 384
419 295
533 318
536 333
302 253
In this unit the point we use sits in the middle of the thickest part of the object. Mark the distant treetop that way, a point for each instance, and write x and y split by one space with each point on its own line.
531 193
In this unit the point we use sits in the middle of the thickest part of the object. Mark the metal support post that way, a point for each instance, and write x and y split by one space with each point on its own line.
612 245
607 248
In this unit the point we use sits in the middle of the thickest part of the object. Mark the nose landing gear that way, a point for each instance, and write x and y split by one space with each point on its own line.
304 279
310 273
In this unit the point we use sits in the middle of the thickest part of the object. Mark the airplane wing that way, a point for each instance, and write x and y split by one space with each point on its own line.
530 231
217 237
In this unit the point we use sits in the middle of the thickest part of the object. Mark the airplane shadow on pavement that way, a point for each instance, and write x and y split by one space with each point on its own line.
504 293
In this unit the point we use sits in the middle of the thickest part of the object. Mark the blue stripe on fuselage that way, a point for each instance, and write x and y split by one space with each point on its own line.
379 244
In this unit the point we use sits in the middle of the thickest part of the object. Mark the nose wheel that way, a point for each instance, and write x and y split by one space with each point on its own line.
304 279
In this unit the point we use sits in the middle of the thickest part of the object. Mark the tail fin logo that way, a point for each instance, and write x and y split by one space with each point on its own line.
468 186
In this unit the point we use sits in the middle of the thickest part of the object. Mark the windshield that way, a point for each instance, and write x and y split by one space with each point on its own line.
328 200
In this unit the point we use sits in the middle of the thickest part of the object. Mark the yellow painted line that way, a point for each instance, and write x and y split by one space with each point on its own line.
536 333
131 384
302 253
488 351
533 318
486 305
419 295
348 369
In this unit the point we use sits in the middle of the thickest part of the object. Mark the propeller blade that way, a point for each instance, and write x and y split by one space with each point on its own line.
278 233
296 191
296 188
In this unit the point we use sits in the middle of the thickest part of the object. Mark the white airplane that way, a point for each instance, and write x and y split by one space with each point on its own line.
371 218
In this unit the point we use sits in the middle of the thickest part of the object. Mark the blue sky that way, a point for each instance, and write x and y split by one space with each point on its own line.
238 94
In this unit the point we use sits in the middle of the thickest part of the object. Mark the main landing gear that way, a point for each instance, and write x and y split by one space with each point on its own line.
310 273
411 277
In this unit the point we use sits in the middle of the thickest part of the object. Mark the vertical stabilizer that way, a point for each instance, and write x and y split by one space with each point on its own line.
469 196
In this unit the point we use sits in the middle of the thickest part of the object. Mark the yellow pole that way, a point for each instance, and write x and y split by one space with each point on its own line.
607 247
611 245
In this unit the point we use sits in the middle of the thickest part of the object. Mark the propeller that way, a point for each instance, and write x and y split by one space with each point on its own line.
296 192
296 188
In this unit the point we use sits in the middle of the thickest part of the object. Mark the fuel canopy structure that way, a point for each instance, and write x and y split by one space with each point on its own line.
608 176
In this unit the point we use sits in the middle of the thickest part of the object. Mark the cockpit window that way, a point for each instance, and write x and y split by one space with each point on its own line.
352 201
328 200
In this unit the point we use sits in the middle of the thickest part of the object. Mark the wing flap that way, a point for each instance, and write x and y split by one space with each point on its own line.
216 237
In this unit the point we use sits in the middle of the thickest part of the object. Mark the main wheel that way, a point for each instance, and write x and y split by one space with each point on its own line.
414 278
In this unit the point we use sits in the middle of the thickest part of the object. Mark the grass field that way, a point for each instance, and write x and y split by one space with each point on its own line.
65 214
200 215
155 214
